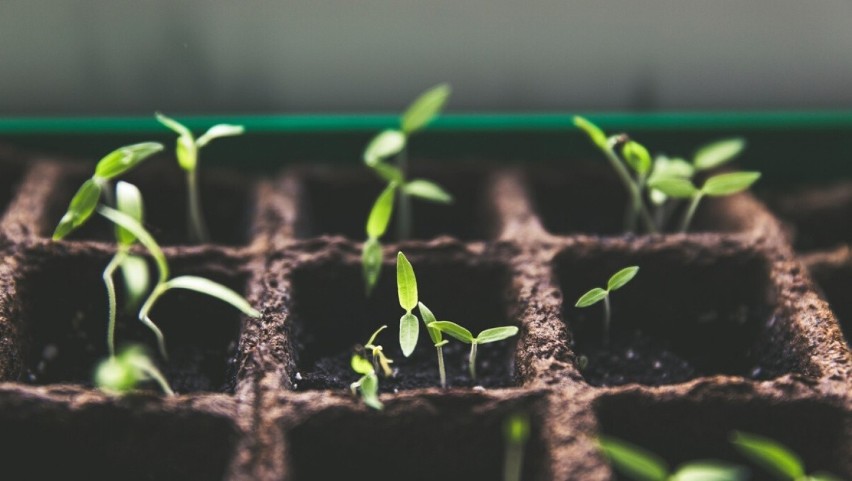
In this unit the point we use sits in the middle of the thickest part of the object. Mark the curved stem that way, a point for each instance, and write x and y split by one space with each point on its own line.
633 191
441 371
690 212
116 261
143 316
472 361
404 219
155 374
197 227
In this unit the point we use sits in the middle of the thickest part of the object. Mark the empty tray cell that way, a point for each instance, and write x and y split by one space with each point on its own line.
11 174
588 200
689 312
450 440
684 430
331 316
105 442
338 203
819 216
836 283
226 199
62 312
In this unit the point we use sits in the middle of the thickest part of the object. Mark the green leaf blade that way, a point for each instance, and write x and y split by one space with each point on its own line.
495 334
454 330
173 125
123 159
371 263
633 461
597 136
385 144
621 278
591 298
770 454
406 283
729 184
370 391
219 131
213 289
676 187
360 365
428 318
409 331
137 279
380 214
141 234
80 209
128 200
427 190
718 153
710 471
637 157
425 108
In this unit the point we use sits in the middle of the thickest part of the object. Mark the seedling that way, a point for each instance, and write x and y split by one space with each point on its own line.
187 151
387 144
437 340
617 281
378 354
775 458
368 384
460 333
641 465
122 373
516 432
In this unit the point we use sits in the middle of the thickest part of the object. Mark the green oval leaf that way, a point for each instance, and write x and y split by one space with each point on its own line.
454 330
597 135
121 160
213 289
633 461
495 334
174 125
144 237
409 331
674 187
425 108
622 277
666 167
427 190
380 214
718 153
429 318
137 279
82 205
637 157
361 365
128 200
219 131
710 471
116 375
728 184
385 144
370 391
592 297
406 283
371 263
770 454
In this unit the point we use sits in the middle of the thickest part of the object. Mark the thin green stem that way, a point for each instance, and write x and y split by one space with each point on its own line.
514 461
633 191
155 374
441 371
404 219
607 315
690 212
158 291
116 261
472 360
197 228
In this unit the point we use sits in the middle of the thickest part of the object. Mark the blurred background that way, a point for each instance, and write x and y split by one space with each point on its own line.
131 58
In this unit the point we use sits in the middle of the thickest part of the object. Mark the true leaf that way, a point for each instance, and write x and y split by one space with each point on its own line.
380 214
213 289
219 131
371 262
592 297
454 330
386 144
82 205
597 135
770 454
674 187
429 318
409 331
406 283
425 108
495 334
361 365
622 277
134 271
123 159
427 190
144 237
709 471
128 199
718 153
370 391
666 167
727 184
637 463
637 157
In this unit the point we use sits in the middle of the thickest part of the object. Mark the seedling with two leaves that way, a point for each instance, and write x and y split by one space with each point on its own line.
187 151
393 143
775 458
597 294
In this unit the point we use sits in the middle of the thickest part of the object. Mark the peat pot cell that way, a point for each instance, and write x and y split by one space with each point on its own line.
339 205
836 283
451 441
10 178
681 317
64 318
681 430
331 316
102 442
225 199
592 201
819 216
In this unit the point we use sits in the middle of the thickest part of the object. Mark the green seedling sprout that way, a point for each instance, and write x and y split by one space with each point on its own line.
717 186
392 143
460 333
109 168
368 384
121 373
437 340
775 458
378 354
617 281
641 465
516 433
187 151
165 283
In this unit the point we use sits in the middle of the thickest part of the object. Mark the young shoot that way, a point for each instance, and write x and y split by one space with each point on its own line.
617 281
378 354
368 384
516 433
165 283
641 465
437 340
458 332
122 373
392 143
775 458
717 186
187 151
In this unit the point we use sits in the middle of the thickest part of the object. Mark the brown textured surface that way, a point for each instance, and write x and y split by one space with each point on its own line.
733 301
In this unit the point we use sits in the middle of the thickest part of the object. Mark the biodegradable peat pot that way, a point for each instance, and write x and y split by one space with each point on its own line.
722 329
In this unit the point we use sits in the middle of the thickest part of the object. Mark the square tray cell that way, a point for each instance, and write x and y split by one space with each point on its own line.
226 199
106 442
331 315
688 313
62 313
836 284
682 430
450 440
819 216
338 203
590 200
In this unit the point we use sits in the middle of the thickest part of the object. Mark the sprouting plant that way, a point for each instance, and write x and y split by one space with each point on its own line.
775 458
165 283
437 339
123 372
187 156
368 384
378 354
460 333
387 144
597 294
516 433
641 465
109 168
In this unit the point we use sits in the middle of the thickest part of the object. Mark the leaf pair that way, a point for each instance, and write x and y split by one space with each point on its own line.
460 333
641 465
187 145
617 281
406 285
716 186
369 382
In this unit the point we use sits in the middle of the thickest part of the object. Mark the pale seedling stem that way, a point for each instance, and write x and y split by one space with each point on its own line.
607 320
690 212
197 227
632 190
114 263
